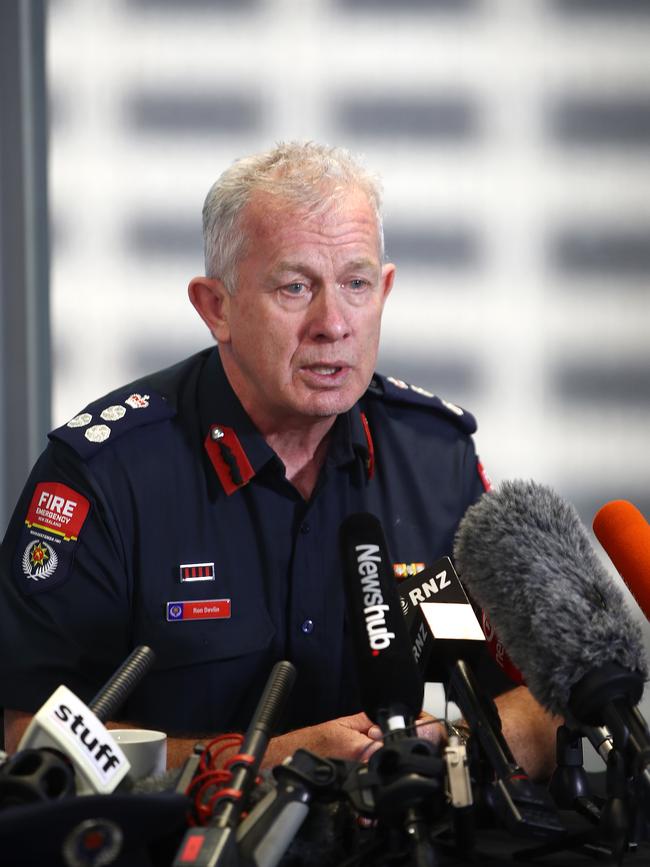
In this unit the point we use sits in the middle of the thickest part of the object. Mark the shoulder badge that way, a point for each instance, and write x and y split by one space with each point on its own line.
398 391
53 523
109 418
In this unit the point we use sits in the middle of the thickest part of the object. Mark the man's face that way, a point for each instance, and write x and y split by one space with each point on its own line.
300 334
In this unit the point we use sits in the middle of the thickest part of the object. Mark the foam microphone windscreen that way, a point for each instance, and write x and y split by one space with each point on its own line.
525 556
389 679
625 535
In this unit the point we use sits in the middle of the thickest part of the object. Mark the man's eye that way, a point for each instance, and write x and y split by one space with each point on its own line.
295 289
358 284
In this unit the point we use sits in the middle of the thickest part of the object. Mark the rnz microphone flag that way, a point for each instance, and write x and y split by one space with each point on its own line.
437 611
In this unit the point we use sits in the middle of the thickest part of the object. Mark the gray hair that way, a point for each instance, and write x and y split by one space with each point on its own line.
296 172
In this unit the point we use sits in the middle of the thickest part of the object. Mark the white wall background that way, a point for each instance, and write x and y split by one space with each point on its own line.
514 140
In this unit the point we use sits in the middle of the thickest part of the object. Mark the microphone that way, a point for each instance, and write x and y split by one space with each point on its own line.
35 775
392 689
446 619
625 535
405 777
526 558
302 780
65 724
449 618
216 844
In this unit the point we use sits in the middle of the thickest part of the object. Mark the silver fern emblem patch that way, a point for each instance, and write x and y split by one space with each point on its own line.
39 561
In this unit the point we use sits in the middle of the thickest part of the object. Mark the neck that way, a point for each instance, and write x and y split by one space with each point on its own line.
299 441
302 451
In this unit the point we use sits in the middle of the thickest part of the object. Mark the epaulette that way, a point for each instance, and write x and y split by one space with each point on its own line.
111 417
397 391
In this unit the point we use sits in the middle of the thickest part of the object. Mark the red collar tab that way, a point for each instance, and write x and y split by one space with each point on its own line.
370 461
228 458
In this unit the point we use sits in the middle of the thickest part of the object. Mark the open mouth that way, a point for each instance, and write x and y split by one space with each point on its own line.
324 370
324 374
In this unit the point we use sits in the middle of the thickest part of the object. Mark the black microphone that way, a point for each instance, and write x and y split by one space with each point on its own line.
302 781
122 682
442 623
406 775
392 689
216 843
447 642
37 774
525 557
449 617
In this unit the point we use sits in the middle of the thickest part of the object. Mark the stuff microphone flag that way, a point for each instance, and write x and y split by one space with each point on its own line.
66 724
625 535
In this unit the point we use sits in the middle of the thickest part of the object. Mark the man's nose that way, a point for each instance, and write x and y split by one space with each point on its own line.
328 315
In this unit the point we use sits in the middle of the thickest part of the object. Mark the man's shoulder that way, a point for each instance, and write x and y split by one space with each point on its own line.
407 399
147 401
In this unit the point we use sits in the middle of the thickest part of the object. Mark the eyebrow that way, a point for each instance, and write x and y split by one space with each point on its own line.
361 264
296 267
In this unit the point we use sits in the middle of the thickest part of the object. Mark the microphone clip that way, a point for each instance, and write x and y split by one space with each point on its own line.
459 783
404 773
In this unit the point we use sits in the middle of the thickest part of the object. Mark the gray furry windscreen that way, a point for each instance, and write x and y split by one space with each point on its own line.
525 557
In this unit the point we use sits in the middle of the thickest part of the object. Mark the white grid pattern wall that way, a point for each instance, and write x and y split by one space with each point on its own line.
514 141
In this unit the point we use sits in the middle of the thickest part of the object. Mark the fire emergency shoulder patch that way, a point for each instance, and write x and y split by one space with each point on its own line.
56 513
47 543
395 390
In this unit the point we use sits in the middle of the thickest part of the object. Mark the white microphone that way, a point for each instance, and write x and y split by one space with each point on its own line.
66 724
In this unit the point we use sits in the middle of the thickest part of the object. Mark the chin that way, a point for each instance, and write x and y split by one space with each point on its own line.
329 405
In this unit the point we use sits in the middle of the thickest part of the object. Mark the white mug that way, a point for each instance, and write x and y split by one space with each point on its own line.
146 750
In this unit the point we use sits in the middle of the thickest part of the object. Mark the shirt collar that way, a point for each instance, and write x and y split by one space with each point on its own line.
349 439
219 405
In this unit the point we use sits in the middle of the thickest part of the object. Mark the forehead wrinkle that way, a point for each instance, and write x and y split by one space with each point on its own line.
286 266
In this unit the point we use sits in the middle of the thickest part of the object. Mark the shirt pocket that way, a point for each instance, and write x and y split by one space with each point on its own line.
179 641
208 674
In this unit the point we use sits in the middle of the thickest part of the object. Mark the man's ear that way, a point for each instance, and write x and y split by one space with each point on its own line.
387 278
211 300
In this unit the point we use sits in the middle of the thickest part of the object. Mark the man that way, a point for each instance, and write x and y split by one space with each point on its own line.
197 510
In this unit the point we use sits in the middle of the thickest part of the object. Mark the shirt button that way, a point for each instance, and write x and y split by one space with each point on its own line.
305 527
307 626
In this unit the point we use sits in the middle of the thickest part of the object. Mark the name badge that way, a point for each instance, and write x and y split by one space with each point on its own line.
198 609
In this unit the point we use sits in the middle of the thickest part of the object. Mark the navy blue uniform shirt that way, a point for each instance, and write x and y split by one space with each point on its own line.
168 479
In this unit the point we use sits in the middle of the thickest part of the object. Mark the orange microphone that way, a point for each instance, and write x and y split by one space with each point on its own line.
624 533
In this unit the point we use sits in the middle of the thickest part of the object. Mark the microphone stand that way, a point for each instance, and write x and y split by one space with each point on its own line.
569 781
610 835
402 785
524 807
